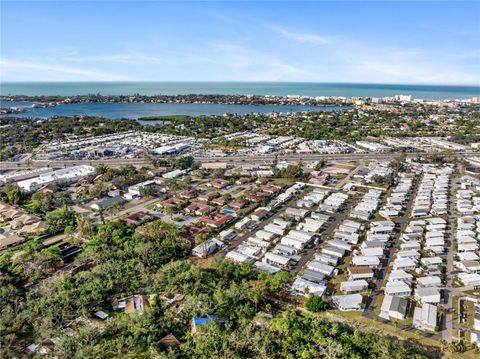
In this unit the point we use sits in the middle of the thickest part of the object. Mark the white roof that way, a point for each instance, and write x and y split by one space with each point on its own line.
300 284
397 287
292 242
174 174
262 266
467 247
431 260
339 244
238 257
468 256
258 242
428 294
284 248
263 234
436 220
410 245
382 224
348 301
327 258
277 258
413 253
353 284
63 175
320 267
385 308
399 274
425 316
248 250
429 281
300 235
404 263
365 261
335 251
375 251
469 278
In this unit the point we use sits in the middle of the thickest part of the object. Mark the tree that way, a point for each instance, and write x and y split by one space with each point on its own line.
201 238
169 211
292 171
101 168
59 219
183 162
316 304
146 191
43 201
14 194
62 198
219 172
443 344
85 226
441 311
457 347
277 281
114 208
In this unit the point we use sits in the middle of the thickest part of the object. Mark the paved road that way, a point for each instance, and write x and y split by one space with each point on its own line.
401 223
115 162
448 321
339 217
340 184
278 212
137 207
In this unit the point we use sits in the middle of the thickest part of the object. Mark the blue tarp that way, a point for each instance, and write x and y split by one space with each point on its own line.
204 320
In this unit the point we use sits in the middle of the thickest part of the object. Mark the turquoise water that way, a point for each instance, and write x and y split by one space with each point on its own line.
257 88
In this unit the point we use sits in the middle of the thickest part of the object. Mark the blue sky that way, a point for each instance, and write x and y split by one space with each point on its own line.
370 42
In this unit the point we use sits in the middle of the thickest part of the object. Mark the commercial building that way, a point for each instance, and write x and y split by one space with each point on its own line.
63 176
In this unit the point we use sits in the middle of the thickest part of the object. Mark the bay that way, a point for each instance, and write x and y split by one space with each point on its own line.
137 110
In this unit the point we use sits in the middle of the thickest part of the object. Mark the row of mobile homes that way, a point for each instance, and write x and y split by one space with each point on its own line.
333 203
367 206
396 202
349 231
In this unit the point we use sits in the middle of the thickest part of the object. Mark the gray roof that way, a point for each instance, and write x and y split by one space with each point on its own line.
399 305
108 201
313 276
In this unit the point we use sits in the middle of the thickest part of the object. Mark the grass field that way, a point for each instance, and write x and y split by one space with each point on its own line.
356 319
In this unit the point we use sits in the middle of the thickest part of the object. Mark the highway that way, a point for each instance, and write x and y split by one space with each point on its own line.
117 162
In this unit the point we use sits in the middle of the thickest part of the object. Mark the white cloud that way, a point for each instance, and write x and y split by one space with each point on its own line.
392 65
339 59
132 58
302 37
19 70
247 64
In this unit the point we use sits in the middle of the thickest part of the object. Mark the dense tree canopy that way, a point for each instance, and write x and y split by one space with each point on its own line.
155 262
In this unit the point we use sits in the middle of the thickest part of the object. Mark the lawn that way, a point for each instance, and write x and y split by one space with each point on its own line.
377 306
357 319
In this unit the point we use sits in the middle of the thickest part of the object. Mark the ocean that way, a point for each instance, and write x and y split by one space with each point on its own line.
254 88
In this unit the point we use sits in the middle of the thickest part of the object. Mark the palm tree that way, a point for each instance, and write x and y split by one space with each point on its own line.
443 344
441 312
85 226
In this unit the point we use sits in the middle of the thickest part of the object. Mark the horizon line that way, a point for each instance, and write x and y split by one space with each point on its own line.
240 81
